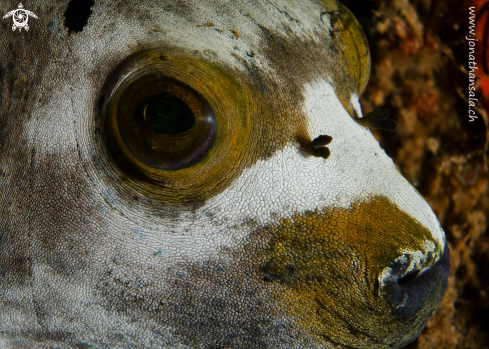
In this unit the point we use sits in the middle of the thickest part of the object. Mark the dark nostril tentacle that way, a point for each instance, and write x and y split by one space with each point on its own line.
407 294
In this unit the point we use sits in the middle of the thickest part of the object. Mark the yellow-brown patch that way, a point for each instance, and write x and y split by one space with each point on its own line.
324 266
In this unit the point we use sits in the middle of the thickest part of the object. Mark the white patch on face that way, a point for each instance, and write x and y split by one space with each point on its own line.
270 190
361 168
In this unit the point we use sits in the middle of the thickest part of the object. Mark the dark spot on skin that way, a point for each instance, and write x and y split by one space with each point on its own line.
270 36
77 14
51 25
287 275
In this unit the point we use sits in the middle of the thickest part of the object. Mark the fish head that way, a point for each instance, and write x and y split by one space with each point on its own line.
181 174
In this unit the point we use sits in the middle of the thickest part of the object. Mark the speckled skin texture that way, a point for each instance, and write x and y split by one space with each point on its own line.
260 244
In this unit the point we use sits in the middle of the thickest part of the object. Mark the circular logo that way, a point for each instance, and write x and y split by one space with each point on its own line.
20 18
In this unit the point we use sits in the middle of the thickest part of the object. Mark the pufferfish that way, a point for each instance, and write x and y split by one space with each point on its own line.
195 174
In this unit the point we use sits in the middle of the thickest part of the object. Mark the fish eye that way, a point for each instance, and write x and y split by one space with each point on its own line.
172 122
161 123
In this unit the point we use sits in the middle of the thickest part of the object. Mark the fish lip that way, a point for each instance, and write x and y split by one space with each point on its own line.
408 298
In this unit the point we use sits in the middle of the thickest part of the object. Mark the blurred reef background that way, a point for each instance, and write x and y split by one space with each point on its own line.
420 72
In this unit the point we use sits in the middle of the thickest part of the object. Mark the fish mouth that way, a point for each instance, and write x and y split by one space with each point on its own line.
410 286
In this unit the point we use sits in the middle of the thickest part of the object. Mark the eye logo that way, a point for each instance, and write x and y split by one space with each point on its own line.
20 17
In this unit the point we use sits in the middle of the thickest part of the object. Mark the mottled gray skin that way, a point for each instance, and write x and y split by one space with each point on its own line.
88 260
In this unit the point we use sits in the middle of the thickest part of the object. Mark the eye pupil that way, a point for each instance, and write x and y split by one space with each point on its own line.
168 115
159 124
